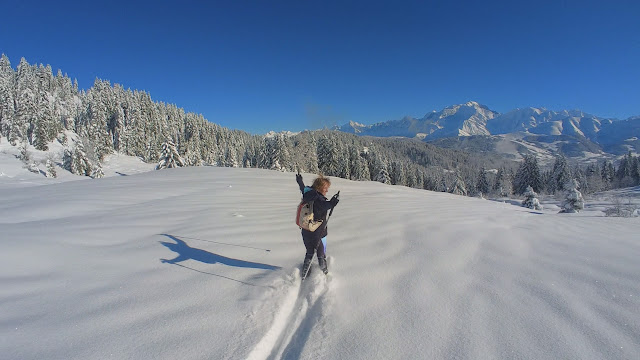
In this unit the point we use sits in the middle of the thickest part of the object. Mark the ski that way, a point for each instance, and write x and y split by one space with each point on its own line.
306 270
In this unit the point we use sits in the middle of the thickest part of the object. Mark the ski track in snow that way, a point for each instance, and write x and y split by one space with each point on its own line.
298 314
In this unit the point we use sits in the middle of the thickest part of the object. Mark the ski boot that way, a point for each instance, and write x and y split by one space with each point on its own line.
322 262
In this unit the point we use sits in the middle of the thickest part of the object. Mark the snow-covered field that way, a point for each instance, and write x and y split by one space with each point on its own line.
202 263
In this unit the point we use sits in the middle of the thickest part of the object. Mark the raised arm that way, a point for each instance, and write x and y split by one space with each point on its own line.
300 182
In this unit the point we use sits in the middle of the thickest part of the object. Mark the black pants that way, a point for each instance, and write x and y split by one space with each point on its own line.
315 245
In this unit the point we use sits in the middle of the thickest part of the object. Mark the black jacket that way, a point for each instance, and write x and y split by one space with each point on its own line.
321 207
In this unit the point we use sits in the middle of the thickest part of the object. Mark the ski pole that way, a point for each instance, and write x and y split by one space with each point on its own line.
331 212
217 242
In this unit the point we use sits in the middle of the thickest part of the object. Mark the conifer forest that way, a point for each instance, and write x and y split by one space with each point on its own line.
38 108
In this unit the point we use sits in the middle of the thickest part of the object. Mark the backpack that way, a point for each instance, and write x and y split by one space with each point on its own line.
304 217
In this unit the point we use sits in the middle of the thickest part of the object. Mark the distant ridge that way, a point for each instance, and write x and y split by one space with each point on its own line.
472 118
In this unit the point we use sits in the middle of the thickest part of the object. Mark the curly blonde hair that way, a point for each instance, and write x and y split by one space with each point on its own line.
321 182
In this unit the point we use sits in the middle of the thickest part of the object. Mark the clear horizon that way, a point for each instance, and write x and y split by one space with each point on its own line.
290 66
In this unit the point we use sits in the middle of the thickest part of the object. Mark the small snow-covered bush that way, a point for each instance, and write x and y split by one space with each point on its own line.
97 173
621 210
531 199
33 168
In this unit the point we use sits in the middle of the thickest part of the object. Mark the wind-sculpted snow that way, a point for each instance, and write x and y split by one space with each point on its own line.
203 263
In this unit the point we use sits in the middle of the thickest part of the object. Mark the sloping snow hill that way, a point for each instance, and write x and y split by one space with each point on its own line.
202 263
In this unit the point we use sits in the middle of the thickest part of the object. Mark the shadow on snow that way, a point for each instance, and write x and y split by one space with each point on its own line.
186 252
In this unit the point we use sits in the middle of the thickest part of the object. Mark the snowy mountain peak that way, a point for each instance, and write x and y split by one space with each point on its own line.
473 118
286 133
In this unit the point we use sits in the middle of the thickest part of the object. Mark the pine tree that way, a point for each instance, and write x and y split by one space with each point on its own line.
573 201
359 168
7 109
458 187
624 169
528 174
344 161
26 109
381 170
25 155
482 186
531 199
276 156
593 177
97 172
327 157
503 186
443 185
80 164
608 174
580 176
635 170
40 136
560 174
398 173
169 157
51 168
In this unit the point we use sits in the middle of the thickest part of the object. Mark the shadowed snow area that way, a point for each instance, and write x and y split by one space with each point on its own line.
202 263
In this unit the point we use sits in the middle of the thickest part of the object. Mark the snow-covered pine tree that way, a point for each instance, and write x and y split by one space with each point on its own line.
328 162
25 155
51 168
97 172
382 174
40 132
430 182
169 157
80 164
7 109
359 168
580 176
344 161
573 201
531 199
45 126
275 155
412 180
22 126
458 187
503 186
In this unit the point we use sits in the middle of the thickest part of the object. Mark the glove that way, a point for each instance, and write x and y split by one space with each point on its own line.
335 200
300 182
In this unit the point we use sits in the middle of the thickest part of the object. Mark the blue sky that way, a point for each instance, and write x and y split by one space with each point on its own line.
294 65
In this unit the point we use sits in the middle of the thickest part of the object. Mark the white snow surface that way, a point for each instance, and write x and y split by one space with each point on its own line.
203 263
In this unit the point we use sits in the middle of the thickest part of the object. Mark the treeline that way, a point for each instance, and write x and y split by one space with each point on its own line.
37 107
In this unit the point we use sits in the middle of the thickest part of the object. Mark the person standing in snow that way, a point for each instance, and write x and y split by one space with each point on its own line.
316 241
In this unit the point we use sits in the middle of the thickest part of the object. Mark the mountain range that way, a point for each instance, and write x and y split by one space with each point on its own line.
475 127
